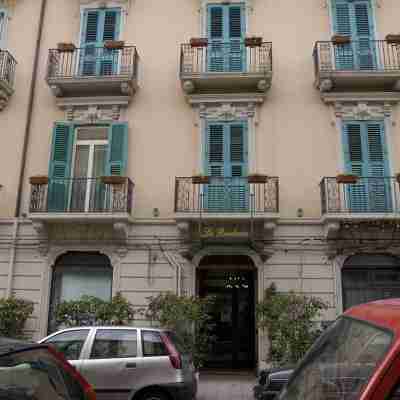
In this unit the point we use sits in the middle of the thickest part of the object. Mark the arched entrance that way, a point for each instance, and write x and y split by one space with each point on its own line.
232 281
368 277
76 274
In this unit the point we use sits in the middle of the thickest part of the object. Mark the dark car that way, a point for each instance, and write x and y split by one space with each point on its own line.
29 371
271 382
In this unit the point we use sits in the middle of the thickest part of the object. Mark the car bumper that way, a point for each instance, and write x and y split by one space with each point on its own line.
181 391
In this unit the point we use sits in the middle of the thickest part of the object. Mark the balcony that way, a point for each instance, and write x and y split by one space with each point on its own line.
7 76
226 69
362 67
104 200
370 201
93 71
227 201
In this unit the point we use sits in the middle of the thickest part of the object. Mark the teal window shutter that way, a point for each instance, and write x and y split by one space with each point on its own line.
3 23
226 33
366 156
354 18
99 25
117 149
60 167
226 162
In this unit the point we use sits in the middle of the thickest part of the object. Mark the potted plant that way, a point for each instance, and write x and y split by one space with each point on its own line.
200 179
254 41
199 42
114 44
39 180
341 39
66 47
347 178
113 180
257 178
393 38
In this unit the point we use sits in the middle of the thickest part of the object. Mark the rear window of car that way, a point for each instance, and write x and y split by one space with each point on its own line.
36 374
69 343
114 343
153 344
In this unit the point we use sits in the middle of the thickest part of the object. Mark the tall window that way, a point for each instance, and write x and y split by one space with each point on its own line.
365 154
99 26
226 161
80 156
3 22
76 274
226 33
354 18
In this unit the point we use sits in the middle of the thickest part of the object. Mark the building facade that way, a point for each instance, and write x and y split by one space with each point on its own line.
200 147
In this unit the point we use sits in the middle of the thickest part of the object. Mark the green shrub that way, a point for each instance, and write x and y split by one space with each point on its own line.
14 313
89 310
289 320
188 317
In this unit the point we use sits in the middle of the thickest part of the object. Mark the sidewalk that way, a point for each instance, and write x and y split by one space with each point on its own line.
226 387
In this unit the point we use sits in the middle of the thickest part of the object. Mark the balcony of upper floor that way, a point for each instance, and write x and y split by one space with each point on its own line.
108 71
106 201
7 77
364 66
349 200
243 202
233 68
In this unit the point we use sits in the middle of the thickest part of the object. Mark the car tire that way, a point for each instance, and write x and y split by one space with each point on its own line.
154 395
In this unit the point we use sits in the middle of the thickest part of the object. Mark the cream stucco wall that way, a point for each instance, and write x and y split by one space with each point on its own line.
22 29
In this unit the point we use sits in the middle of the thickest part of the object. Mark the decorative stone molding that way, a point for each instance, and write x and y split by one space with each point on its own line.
227 111
355 97
183 227
326 85
362 111
126 5
92 113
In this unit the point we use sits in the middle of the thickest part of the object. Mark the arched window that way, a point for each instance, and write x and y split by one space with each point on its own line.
76 274
369 277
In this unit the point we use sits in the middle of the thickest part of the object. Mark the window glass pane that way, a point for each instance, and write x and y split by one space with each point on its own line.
34 374
99 160
2 27
70 343
86 281
117 343
93 133
153 344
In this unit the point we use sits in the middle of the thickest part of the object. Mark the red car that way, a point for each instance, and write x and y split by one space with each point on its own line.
357 358
30 371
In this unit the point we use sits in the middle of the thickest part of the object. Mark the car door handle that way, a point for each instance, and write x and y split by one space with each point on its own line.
130 365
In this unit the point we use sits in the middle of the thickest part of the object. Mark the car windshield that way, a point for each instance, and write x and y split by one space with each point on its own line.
340 363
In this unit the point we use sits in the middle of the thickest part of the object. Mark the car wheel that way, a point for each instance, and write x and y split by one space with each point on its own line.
154 395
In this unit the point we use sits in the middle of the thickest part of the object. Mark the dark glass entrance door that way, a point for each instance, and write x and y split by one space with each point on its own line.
232 323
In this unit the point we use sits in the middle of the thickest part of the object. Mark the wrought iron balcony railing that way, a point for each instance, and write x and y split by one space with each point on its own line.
369 195
363 55
82 195
7 68
92 62
226 195
232 57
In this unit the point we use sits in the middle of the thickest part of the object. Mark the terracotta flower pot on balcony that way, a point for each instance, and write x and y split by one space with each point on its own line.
113 180
39 180
199 42
200 180
66 47
393 38
341 39
255 41
257 178
347 178
114 44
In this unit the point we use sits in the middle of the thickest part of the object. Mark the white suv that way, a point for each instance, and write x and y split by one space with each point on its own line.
128 363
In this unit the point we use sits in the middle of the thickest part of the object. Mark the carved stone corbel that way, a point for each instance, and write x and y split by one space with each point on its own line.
263 85
127 89
188 87
269 227
183 227
121 230
40 228
326 85
56 90
331 229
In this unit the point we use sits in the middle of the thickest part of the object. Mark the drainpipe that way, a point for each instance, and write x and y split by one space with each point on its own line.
12 259
32 91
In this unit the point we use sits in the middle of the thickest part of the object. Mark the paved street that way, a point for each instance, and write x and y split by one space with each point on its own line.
226 387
